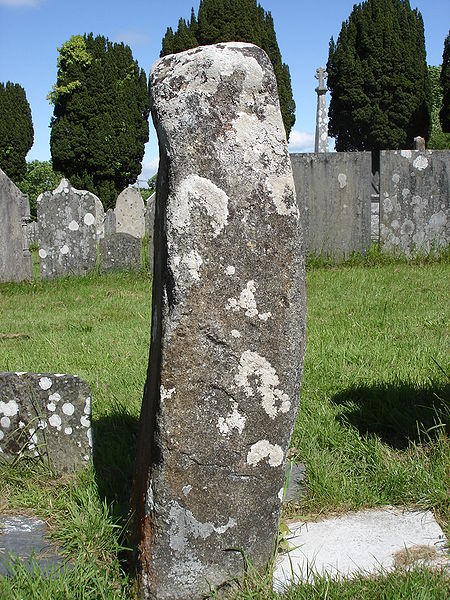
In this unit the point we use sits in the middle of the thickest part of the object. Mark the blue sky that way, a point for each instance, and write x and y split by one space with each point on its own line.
31 31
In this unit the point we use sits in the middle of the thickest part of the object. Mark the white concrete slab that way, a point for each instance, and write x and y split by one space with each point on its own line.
365 541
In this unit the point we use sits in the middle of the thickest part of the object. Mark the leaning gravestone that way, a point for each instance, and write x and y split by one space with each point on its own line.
129 211
45 416
228 325
120 251
70 225
15 258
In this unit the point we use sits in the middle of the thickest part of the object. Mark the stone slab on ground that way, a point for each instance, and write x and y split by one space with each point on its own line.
25 538
367 541
295 486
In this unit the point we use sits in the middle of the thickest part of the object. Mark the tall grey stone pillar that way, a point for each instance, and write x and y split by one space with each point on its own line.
321 141
228 324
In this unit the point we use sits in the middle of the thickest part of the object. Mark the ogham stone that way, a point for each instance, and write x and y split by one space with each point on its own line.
228 324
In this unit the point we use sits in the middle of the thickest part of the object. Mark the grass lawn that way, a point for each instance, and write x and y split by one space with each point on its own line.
371 426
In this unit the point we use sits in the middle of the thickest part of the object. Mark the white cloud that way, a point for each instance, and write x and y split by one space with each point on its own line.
132 37
149 168
301 141
19 3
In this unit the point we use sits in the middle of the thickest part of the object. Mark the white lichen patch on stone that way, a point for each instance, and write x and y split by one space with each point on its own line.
420 163
9 409
87 406
45 383
42 253
281 494
183 525
73 226
5 422
68 430
89 436
186 489
342 178
235 333
85 421
395 178
247 302
89 219
166 394
193 262
51 406
281 188
64 249
2 435
55 421
230 270
68 408
196 192
264 449
234 420
253 366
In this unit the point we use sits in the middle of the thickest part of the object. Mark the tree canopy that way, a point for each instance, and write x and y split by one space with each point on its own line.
377 76
39 178
444 114
100 118
16 130
235 21
438 140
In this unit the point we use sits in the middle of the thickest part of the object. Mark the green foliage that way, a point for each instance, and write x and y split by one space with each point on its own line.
235 21
438 139
444 114
100 119
39 177
377 76
16 130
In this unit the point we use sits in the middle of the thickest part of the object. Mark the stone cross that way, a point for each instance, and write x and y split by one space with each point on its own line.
321 141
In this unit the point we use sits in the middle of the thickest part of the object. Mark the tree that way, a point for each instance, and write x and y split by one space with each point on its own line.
39 178
16 130
235 21
377 76
444 114
100 118
438 140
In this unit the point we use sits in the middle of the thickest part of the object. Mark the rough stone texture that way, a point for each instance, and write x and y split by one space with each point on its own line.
70 224
25 539
45 416
414 211
333 193
321 138
31 233
120 251
15 258
130 213
228 324
109 225
150 227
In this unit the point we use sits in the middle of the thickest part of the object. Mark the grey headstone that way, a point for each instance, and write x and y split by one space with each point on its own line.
15 258
414 197
47 417
130 213
110 222
228 324
150 228
120 251
70 224
31 232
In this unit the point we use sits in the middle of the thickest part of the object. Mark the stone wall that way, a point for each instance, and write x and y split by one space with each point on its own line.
333 193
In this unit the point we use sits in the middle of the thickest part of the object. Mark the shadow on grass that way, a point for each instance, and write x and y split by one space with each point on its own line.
398 413
115 444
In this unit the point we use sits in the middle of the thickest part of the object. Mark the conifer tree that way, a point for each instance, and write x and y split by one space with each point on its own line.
444 114
235 21
377 76
100 118
16 130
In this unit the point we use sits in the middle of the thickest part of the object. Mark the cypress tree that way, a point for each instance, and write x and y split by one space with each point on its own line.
444 114
238 21
100 118
16 130
377 76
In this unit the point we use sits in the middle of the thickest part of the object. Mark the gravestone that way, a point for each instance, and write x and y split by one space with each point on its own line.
129 213
46 417
70 225
228 324
149 228
15 258
321 138
120 251
110 222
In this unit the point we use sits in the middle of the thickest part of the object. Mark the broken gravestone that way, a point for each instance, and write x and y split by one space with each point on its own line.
70 225
120 251
130 213
15 257
45 417
228 324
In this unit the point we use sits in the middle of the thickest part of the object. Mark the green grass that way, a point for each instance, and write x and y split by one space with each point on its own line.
372 425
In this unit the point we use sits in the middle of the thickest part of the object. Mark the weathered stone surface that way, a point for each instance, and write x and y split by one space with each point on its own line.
45 416
414 209
150 227
228 324
333 193
129 211
321 138
120 251
110 222
15 258
70 224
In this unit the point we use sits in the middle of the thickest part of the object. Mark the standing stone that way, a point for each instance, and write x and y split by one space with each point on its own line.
15 258
110 222
228 324
321 141
149 228
69 229
119 252
129 213
46 417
